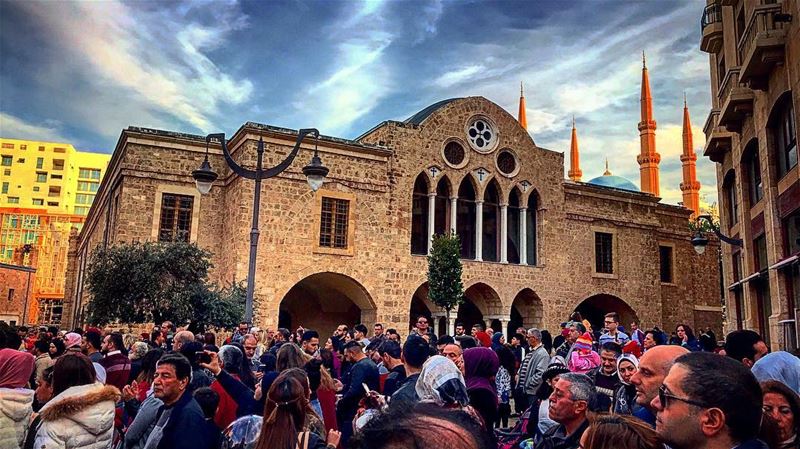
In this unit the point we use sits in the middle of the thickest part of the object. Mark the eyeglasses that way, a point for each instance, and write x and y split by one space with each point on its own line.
422 322
663 394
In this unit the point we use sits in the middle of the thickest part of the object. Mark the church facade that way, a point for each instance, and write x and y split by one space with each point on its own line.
535 246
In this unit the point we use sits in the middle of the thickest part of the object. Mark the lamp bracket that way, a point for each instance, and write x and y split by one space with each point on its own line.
729 240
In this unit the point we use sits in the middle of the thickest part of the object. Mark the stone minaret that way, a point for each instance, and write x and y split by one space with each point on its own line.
690 186
575 172
523 121
648 158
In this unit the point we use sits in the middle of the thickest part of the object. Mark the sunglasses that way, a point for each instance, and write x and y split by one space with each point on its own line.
664 396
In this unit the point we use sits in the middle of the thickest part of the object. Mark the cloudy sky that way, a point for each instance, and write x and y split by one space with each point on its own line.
81 72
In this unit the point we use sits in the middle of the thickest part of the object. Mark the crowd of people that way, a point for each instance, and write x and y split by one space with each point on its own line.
263 389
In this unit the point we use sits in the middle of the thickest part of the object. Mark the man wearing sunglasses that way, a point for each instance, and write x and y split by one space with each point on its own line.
709 401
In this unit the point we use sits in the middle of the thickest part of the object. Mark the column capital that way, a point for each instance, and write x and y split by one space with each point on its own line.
479 202
431 194
503 205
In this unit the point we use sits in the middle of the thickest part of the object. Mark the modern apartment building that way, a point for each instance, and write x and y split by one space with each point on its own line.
751 133
46 189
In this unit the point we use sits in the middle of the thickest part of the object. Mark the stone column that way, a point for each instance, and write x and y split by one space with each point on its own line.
431 218
453 213
451 323
503 233
523 237
504 324
479 230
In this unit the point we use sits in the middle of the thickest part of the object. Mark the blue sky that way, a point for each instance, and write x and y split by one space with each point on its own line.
80 72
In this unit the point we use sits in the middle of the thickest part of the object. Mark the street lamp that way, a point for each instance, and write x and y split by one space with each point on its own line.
205 176
699 241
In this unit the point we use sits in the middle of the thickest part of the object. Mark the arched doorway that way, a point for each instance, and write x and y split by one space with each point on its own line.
526 311
480 300
594 309
322 301
422 306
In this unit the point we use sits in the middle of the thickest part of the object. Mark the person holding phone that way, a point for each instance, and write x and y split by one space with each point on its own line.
363 371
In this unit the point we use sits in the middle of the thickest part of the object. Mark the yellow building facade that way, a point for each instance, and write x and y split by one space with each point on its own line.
46 189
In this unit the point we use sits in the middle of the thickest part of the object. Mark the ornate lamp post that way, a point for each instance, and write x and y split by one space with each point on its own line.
205 176
699 241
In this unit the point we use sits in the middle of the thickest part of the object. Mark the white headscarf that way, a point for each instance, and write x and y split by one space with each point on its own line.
626 358
99 373
441 382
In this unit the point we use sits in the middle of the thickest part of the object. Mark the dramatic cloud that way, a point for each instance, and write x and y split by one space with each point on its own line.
14 127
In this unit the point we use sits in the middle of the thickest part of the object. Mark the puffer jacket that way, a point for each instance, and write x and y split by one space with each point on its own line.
80 417
15 415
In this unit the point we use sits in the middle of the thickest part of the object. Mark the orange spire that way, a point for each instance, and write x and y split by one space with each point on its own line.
523 122
648 159
575 172
690 186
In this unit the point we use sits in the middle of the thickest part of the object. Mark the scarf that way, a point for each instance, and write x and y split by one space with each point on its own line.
626 358
441 383
15 368
481 364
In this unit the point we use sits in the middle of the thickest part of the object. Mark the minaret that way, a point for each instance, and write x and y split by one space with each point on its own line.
648 158
575 172
690 186
523 122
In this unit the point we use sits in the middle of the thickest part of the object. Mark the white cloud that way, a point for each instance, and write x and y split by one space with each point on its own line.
15 128
461 75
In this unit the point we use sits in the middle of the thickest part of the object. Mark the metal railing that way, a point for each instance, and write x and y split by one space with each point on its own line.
712 14
731 81
762 22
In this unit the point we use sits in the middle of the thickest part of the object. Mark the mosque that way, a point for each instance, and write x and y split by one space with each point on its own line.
534 246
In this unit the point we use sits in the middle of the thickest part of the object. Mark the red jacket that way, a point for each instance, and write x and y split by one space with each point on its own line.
226 410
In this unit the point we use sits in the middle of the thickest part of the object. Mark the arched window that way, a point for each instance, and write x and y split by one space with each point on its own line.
784 134
491 223
731 205
512 227
531 226
465 220
441 222
419 216
753 170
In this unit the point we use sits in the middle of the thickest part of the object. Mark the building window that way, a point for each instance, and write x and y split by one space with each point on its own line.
88 186
50 311
21 160
9 146
665 259
754 173
176 218
41 176
333 223
10 294
791 232
39 162
59 150
81 210
55 176
760 253
52 203
83 198
729 193
35 188
23 147
603 252
6 161
13 200
5 188
38 202
41 148
89 173
736 262
720 71
58 164
7 172
491 223
419 216
54 191
466 217
785 137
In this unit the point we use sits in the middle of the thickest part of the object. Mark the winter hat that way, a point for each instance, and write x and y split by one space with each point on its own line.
484 339
584 342
632 347
554 369
72 339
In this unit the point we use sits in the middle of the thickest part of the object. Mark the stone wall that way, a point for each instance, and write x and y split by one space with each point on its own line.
16 289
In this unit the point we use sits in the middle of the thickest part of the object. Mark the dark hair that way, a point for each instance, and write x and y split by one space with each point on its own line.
415 351
94 338
467 342
778 387
285 412
183 369
520 338
60 348
42 346
72 370
547 340
208 400
22 328
393 331
422 425
12 340
390 347
155 334
658 336
445 340
289 356
353 345
459 323
612 347
618 431
581 328
739 345
360 328
378 324
189 350
116 338
149 362
613 315
479 326
209 338
308 335
284 333
725 384
688 330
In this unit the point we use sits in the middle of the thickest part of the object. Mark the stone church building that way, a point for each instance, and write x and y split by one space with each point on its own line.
535 246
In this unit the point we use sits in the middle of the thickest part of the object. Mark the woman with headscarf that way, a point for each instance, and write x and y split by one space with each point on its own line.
16 401
56 348
480 369
625 394
440 382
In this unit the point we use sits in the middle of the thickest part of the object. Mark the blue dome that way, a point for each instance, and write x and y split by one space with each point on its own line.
617 182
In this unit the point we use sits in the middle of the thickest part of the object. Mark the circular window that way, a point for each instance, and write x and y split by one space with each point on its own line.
507 163
481 134
454 153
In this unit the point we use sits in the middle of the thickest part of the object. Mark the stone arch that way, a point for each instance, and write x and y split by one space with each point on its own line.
481 305
533 216
596 306
323 300
422 306
442 219
527 311
513 233
492 197
466 216
420 215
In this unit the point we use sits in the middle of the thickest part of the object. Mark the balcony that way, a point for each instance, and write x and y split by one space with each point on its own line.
718 139
711 25
728 2
762 44
736 101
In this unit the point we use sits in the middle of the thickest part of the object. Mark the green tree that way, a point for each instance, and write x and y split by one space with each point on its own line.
152 282
445 288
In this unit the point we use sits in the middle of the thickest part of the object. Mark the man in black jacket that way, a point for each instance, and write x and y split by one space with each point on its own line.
364 371
415 353
391 354
180 423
